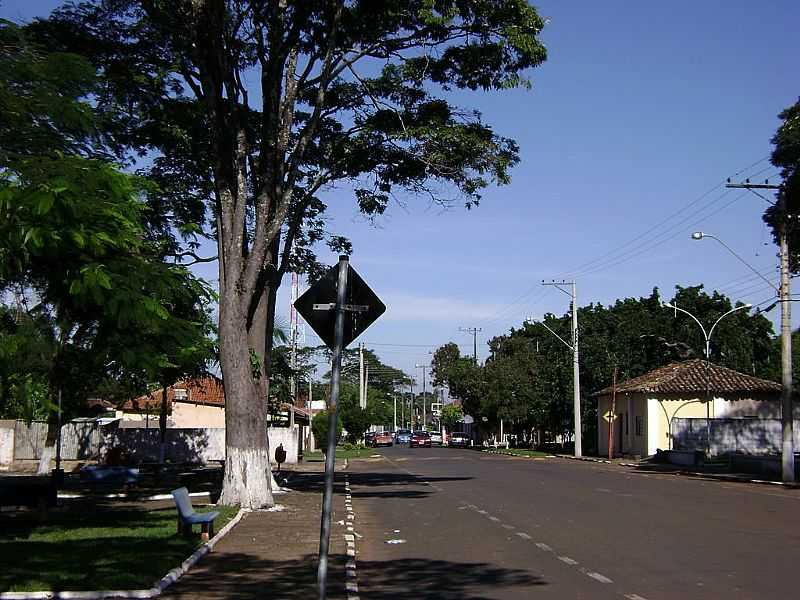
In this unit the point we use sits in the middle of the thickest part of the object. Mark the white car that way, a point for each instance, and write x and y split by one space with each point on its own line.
436 438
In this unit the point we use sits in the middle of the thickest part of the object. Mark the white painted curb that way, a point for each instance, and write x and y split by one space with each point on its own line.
154 591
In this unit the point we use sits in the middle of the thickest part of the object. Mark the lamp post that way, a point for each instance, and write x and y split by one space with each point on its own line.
784 297
707 335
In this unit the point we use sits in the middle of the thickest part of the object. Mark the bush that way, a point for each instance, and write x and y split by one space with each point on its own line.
319 427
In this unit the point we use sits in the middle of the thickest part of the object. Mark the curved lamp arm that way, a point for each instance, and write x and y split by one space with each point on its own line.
733 310
705 335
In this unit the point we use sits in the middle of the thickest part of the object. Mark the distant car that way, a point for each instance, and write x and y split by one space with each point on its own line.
402 436
458 440
384 438
369 437
420 439
436 438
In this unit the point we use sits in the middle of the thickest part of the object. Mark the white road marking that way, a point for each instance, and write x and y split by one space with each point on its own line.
482 512
543 546
635 597
494 519
598 577
506 526
350 538
523 535
568 560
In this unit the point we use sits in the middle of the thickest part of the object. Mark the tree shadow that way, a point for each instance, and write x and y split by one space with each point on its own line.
240 575
367 485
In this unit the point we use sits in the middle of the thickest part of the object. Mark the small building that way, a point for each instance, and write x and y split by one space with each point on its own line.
191 403
646 407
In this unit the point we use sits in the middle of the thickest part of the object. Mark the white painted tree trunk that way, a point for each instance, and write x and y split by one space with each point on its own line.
48 454
248 479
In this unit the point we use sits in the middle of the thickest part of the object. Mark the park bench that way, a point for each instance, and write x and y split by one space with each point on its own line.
188 517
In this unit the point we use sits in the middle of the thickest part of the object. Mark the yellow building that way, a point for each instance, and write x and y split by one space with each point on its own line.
641 413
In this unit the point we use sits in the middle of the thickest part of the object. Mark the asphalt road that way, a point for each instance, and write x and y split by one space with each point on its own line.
446 523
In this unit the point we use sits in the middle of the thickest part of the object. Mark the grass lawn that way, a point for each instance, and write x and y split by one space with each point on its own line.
108 549
358 452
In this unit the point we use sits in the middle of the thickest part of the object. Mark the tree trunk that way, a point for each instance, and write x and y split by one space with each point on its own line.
49 449
162 425
248 477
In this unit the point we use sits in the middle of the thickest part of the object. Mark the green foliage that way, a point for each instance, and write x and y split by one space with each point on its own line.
451 415
356 421
786 156
320 427
96 305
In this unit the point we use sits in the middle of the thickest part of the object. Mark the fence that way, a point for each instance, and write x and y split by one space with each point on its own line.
757 437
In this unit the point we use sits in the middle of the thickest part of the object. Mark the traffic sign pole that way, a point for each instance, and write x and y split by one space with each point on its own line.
330 457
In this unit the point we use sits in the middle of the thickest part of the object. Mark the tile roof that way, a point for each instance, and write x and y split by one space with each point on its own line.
200 390
690 377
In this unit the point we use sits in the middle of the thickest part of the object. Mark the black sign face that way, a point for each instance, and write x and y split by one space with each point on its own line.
317 306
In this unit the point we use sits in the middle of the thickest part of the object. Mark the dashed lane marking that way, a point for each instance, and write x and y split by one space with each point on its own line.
635 597
523 535
597 576
495 519
568 560
509 527
543 546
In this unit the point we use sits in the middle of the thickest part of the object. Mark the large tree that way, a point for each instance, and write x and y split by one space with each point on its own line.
266 103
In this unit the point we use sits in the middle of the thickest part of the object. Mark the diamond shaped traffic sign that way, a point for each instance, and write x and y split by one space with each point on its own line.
317 306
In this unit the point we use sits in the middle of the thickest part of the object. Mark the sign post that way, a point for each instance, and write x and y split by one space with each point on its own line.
338 307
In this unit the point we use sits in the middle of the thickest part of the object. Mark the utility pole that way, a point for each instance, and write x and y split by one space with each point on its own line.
362 401
612 415
787 411
474 331
293 340
576 373
424 416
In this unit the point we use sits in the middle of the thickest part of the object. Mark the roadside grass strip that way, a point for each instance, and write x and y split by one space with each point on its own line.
100 554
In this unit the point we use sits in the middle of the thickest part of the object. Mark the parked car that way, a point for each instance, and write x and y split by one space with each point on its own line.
369 437
436 438
384 438
420 439
402 436
458 439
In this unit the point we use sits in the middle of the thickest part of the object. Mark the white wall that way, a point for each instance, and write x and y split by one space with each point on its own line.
6 442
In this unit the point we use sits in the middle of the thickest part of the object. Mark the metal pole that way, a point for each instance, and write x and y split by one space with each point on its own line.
612 415
394 397
58 442
576 373
361 394
424 399
787 413
330 457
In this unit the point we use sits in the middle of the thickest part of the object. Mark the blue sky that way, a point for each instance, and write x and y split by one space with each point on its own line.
640 109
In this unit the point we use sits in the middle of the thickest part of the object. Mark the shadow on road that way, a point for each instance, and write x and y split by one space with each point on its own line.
440 579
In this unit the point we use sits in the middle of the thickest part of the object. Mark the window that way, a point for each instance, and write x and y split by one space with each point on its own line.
639 425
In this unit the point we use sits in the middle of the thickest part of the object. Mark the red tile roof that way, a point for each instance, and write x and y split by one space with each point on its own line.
690 377
200 390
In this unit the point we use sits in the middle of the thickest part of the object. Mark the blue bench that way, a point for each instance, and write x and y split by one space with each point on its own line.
188 517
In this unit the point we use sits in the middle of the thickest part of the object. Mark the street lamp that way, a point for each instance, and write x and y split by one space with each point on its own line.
707 335
700 235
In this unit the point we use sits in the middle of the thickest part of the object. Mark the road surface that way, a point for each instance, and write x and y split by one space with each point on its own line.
446 523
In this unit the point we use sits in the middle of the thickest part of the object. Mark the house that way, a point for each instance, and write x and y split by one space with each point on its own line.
648 408
191 403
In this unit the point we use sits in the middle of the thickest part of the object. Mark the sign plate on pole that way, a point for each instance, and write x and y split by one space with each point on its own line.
317 306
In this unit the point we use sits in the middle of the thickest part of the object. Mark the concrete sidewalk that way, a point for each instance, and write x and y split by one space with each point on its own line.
273 554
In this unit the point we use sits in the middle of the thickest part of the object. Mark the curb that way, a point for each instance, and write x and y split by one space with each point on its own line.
171 577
